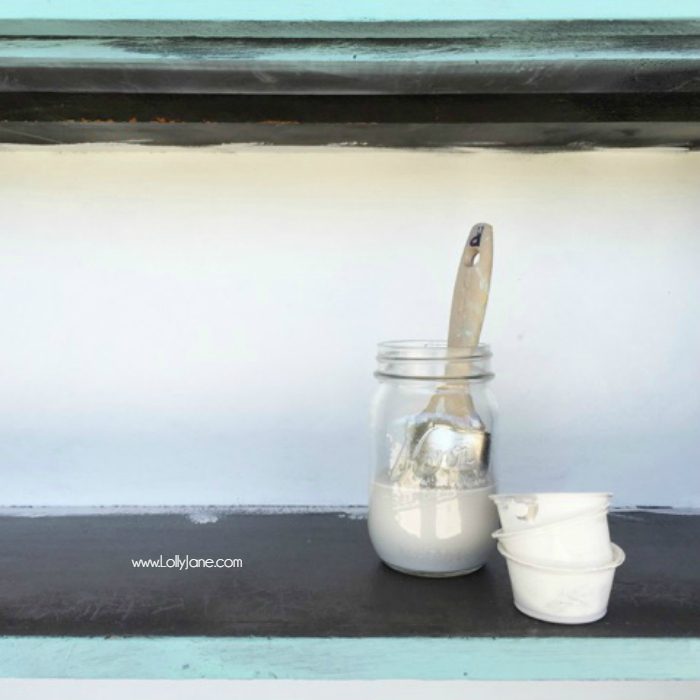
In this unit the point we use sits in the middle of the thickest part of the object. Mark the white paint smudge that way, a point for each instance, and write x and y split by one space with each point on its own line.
196 514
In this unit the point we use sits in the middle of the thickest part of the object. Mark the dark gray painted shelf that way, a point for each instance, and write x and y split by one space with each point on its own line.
308 575
507 84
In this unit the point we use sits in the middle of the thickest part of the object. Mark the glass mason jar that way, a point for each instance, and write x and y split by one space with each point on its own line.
433 420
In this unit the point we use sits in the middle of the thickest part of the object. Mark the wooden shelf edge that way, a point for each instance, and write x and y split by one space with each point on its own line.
533 137
395 84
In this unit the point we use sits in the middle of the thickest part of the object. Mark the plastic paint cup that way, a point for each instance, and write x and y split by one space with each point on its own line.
579 542
521 511
562 595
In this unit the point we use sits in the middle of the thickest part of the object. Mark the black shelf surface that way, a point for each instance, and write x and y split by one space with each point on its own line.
308 575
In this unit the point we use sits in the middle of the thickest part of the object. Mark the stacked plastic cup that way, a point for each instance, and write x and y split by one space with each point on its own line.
560 559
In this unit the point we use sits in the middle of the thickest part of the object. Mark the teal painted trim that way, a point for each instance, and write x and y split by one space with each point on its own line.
341 10
367 28
247 658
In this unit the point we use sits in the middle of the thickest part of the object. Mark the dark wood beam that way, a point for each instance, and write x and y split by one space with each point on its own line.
510 84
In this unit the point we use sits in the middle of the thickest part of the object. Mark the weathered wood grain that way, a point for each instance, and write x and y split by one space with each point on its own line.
547 84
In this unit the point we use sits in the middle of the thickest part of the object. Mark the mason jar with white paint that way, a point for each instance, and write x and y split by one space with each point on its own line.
433 419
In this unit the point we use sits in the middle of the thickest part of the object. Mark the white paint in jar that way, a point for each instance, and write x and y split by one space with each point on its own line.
431 531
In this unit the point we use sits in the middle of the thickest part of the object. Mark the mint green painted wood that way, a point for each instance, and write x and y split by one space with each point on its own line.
317 18
341 10
246 658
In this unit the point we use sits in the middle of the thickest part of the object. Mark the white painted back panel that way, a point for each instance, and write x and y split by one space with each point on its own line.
198 326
